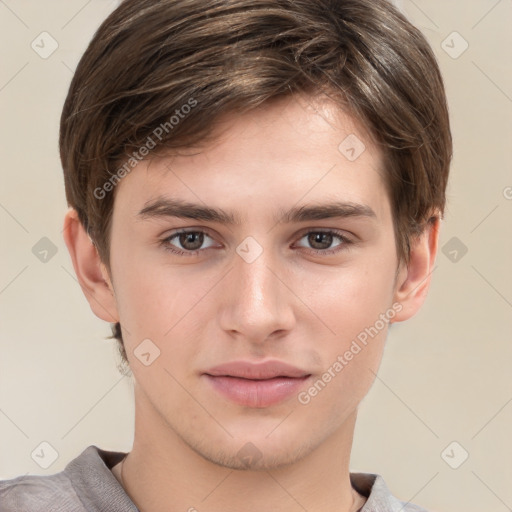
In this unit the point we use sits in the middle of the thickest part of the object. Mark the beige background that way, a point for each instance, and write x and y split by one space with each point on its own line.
446 373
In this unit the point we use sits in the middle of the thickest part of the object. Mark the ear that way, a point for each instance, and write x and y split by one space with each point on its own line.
413 280
92 274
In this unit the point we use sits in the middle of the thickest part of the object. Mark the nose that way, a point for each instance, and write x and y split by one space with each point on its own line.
256 303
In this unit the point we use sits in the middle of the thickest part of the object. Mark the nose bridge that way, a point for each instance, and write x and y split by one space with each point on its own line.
257 283
256 303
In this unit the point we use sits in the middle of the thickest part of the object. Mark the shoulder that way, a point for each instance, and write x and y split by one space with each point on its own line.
67 491
379 496
34 493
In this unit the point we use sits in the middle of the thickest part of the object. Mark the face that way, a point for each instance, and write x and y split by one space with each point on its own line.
291 259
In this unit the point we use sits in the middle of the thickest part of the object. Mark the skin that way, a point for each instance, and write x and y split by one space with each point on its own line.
288 304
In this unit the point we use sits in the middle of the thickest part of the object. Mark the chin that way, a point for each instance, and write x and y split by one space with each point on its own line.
251 458
256 450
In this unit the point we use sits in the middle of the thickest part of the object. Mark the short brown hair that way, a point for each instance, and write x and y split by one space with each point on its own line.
150 58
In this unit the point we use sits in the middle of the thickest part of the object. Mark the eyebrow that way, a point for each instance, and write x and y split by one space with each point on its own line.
162 207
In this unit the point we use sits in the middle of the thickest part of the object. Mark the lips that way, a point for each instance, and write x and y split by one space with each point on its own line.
256 384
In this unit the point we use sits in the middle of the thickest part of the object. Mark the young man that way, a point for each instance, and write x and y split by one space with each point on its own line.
256 188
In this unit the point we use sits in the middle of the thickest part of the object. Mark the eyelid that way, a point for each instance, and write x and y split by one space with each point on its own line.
338 232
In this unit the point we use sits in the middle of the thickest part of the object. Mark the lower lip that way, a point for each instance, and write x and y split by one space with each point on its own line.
257 393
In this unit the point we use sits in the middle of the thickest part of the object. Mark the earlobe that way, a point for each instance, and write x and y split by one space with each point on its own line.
413 280
91 273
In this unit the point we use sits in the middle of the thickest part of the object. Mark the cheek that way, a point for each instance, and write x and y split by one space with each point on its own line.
355 304
338 391
163 308
351 298
160 303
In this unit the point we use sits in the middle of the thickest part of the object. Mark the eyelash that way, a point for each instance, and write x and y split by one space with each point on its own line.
345 243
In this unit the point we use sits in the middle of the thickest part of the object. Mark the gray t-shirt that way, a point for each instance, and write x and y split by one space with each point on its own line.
87 484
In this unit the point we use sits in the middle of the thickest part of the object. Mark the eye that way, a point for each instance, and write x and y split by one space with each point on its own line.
321 241
190 242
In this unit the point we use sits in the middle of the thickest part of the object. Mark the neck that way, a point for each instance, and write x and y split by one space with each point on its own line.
162 470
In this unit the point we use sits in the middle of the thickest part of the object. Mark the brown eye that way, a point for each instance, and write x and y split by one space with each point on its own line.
192 240
187 243
320 240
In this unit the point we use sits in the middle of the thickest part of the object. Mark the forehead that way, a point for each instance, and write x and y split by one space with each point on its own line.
292 149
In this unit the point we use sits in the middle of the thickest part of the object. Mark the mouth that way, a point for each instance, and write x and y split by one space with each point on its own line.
256 385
